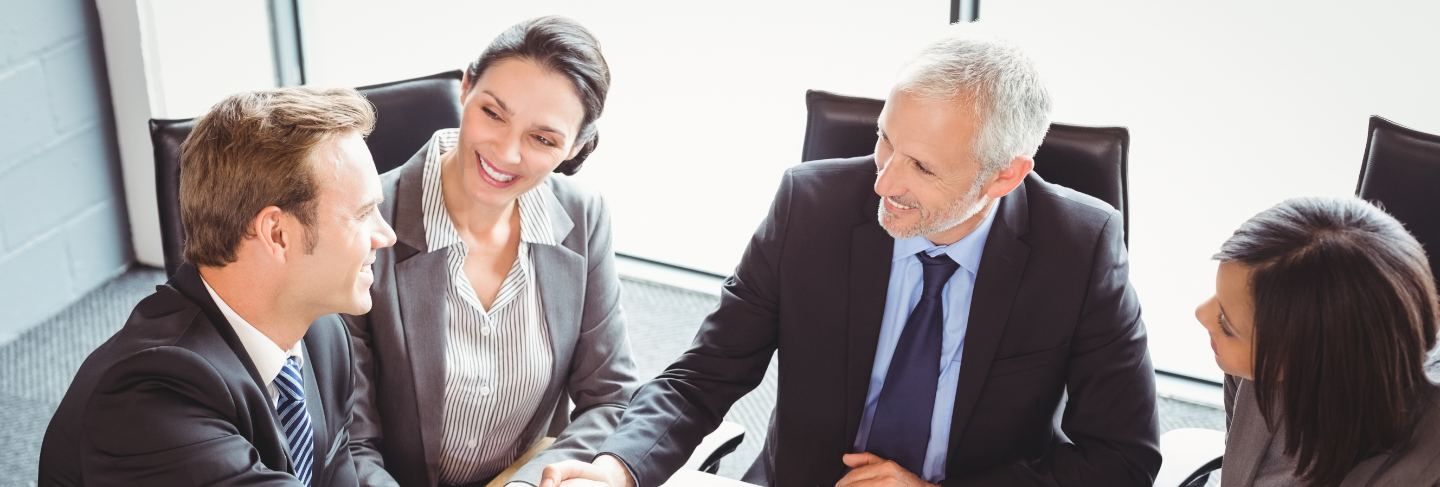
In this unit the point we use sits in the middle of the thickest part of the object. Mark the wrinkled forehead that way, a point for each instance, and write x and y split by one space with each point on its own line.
940 130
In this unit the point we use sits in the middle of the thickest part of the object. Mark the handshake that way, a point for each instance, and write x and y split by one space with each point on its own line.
605 470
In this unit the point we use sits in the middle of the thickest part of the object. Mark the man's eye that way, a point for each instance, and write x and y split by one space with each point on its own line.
921 166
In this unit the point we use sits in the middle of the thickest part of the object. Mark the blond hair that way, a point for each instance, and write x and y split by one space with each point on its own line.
251 151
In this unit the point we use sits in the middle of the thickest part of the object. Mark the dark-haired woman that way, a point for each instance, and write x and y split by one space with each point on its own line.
499 305
1323 314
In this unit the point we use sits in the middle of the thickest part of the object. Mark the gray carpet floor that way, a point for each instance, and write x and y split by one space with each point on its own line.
36 368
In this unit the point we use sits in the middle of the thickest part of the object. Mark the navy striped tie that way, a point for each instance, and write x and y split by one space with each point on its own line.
295 419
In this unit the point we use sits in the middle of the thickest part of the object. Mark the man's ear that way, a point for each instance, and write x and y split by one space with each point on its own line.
1010 177
269 230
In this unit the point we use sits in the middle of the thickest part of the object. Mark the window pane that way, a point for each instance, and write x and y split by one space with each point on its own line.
1232 106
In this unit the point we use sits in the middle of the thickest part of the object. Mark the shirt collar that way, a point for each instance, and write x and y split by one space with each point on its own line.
534 205
966 251
262 351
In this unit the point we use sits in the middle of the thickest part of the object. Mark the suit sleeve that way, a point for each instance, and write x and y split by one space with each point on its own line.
671 414
365 432
1110 418
601 373
164 416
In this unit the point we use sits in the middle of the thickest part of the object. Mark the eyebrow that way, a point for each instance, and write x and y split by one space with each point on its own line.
507 110
498 101
371 204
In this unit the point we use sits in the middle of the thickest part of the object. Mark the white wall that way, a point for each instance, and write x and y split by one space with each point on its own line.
1232 106
707 106
174 59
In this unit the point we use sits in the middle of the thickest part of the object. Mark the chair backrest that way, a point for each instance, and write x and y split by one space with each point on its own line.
407 112
1091 160
1401 172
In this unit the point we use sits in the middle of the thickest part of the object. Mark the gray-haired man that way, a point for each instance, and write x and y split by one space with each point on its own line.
930 304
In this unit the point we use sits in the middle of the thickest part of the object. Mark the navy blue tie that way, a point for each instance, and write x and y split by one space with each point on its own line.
900 430
295 419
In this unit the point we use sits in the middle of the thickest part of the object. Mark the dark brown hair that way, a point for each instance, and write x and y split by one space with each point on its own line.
1345 311
251 151
565 47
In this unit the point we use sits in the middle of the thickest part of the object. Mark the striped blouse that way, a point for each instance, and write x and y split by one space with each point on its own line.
497 361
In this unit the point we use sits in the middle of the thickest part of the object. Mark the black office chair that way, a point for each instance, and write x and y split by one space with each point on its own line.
1091 160
408 112
1401 172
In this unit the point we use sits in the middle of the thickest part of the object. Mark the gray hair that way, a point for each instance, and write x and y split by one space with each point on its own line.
1000 84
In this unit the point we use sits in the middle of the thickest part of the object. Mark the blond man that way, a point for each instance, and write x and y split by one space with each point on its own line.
237 371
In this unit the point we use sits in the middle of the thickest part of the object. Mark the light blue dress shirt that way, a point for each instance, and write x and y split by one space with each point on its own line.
906 281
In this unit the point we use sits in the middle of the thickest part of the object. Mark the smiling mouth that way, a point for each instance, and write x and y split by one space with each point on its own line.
896 204
498 177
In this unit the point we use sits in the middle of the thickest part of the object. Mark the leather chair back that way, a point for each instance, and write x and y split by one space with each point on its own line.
408 112
1091 160
1400 173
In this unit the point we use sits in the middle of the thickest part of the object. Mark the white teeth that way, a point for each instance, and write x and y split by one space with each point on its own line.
897 204
504 178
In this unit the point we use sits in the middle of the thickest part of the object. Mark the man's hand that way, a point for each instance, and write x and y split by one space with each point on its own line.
869 470
606 471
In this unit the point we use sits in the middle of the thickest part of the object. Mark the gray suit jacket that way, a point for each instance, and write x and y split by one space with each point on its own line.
400 344
1415 464
173 399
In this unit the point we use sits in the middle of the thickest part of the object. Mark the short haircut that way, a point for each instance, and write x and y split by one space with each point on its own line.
565 47
1345 312
992 77
252 151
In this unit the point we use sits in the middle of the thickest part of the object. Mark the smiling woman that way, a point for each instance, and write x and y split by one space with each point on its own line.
501 305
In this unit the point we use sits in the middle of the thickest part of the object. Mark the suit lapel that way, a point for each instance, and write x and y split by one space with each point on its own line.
187 280
315 405
559 271
421 281
871 249
188 283
422 308
1247 439
996 283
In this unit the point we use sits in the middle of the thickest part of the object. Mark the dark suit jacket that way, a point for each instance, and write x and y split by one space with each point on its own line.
1053 311
400 344
1414 463
173 399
